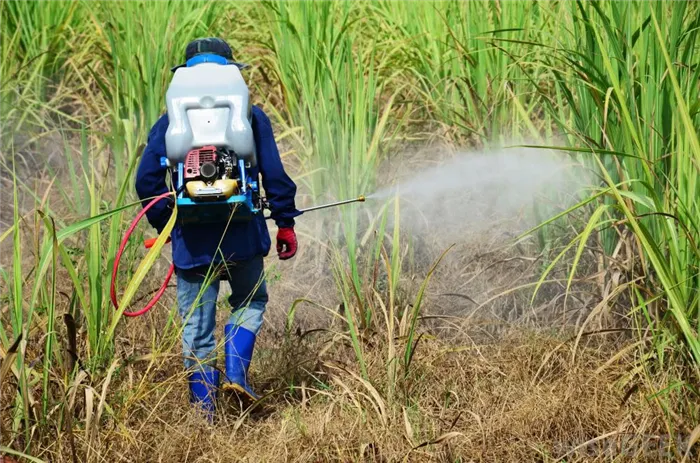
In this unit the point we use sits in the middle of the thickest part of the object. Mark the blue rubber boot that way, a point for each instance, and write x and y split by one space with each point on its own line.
239 351
204 387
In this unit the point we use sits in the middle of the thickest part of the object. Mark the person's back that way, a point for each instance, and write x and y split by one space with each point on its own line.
238 247
197 245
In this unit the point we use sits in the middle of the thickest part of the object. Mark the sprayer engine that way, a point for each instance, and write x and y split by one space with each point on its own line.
210 174
214 185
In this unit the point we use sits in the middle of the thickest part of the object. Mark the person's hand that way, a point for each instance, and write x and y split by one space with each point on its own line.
286 243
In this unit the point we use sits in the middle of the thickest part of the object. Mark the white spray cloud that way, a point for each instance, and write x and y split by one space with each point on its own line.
490 190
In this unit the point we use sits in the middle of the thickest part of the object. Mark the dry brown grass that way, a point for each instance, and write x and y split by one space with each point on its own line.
506 401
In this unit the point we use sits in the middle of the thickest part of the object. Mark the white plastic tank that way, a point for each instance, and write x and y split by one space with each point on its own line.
208 104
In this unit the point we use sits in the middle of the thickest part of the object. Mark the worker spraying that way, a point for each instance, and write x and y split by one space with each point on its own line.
216 145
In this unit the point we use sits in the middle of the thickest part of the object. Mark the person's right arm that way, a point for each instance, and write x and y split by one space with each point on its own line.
151 176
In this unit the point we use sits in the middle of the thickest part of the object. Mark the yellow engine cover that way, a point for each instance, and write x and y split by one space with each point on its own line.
197 189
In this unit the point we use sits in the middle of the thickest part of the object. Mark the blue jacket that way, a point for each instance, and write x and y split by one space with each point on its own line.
197 245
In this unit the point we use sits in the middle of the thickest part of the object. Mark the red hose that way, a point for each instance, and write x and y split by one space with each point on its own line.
117 258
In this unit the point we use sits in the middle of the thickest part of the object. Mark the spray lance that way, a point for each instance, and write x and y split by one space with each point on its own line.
359 199
151 241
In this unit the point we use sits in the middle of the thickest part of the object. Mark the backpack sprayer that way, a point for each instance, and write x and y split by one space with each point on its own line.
210 154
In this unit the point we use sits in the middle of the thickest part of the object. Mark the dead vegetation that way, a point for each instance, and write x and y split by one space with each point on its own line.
523 398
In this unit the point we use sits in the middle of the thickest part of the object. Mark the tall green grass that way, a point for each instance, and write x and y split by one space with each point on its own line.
628 72
332 92
120 85
618 81
453 53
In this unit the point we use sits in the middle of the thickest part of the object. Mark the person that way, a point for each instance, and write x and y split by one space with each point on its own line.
239 247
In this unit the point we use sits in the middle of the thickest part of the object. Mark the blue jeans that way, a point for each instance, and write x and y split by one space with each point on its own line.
197 306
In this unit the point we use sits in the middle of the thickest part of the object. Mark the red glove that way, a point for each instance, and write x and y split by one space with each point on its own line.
286 243
148 244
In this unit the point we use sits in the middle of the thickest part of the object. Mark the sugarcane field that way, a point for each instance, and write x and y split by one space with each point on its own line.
349 231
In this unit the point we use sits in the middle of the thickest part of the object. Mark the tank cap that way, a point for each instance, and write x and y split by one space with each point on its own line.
207 102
